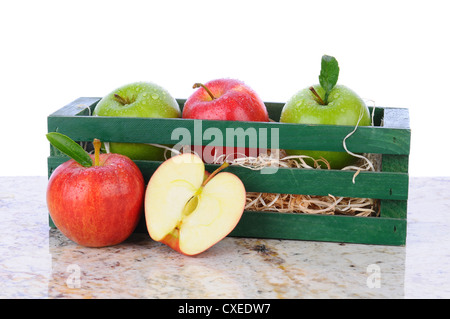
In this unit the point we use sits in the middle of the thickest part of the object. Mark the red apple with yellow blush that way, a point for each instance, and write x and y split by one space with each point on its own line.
94 200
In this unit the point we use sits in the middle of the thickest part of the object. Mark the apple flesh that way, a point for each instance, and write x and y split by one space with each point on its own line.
139 99
225 100
187 212
96 206
344 107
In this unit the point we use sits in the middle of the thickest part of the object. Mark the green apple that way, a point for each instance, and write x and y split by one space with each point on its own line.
139 99
329 105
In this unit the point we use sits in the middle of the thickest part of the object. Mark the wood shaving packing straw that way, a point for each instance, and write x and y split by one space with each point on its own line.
353 154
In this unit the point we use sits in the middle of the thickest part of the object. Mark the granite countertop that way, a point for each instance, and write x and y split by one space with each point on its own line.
38 262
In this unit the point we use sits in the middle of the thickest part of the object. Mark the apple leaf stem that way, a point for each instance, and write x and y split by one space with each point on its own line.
197 85
120 99
69 147
221 167
97 145
319 99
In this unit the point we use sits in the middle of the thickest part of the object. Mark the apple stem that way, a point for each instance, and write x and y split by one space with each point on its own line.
97 145
223 166
197 85
120 99
317 95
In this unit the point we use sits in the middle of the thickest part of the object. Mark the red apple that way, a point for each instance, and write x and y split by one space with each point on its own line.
99 205
225 100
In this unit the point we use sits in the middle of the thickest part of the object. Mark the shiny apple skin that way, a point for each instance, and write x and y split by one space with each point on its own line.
234 101
147 100
96 206
344 108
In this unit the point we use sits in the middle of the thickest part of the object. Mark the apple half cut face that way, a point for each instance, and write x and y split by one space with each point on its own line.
188 212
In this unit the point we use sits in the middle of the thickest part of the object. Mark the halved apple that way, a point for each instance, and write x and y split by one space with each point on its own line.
188 212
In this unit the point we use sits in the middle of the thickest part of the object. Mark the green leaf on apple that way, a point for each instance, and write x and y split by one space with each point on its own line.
69 147
329 74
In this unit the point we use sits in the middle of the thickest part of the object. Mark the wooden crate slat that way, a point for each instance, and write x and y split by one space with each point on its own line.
291 136
325 182
377 185
364 230
306 181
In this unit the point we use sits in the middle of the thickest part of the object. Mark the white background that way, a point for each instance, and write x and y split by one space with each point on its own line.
395 53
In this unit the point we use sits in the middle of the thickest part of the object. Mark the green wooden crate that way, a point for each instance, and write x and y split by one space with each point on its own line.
389 186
